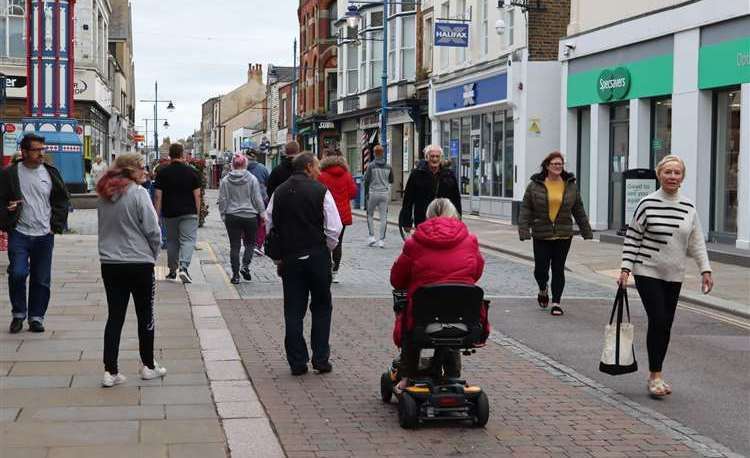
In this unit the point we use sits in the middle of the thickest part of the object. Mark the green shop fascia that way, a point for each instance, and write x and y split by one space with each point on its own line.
724 64
651 77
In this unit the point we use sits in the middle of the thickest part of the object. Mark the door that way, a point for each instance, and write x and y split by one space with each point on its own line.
476 171
619 132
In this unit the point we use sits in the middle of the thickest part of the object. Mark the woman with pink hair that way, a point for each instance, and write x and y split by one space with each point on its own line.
240 203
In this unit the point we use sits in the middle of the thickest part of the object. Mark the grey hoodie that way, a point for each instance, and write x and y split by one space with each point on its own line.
239 195
378 176
128 228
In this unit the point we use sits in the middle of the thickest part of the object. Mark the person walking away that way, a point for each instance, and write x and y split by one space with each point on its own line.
129 244
378 179
551 202
240 206
284 170
260 172
435 179
98 169
334 174
33 207
178 198
304 213
664 231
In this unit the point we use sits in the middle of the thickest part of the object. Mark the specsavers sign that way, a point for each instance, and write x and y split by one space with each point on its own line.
613 84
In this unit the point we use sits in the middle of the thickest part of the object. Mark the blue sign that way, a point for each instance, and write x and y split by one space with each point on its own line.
479 92
451 34
454 147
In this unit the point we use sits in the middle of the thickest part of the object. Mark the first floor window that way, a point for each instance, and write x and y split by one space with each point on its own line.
351 69
408 48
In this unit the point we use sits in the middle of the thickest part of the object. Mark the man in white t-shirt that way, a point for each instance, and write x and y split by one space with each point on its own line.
98 169
33 207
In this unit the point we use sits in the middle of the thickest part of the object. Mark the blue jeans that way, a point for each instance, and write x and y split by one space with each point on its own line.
30 256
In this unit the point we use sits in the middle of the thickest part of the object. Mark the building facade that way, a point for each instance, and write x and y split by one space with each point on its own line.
668 80
122 79
279 101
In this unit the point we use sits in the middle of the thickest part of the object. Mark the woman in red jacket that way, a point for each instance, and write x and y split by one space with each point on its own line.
442 250
334 174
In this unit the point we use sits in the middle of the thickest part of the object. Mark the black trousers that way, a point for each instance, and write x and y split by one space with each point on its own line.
120 282
659 298
551 253
304 279
242 231
336 253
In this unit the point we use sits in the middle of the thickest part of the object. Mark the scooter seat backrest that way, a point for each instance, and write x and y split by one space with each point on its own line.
447 315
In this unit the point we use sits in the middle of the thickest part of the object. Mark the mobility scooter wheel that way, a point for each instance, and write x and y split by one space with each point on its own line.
386 387
482 410
408 415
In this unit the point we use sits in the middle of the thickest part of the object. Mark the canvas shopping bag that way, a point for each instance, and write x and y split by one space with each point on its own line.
618 355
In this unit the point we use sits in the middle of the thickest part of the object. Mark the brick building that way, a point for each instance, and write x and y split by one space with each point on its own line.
279 100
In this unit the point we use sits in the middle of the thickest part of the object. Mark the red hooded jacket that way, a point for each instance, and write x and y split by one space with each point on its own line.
441 251
334 174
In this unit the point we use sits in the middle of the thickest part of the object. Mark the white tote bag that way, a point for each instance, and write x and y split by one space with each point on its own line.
618 355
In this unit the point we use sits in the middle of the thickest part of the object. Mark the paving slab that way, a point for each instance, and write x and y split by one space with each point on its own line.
165 395
60 381
198 451
68 433
108 413
24 452
117 451
191 411
181 431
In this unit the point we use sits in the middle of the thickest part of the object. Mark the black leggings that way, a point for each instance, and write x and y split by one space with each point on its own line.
241 231
551 253
120 281
336 253
659 298
445 362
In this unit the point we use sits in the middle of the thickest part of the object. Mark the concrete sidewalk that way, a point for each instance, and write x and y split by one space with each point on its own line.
52 404
599 263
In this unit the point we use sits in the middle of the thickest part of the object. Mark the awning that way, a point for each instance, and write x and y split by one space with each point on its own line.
305 131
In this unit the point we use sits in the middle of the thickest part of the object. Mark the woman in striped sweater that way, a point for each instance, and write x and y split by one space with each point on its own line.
664 231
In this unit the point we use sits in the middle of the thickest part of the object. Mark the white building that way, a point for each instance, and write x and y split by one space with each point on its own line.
672 80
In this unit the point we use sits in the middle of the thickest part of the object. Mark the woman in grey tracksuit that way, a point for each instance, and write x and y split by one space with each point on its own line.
240 203
378 179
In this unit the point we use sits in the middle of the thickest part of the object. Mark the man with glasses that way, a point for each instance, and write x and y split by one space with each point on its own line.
33 207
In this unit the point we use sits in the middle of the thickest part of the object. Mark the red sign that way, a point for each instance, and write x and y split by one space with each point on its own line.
10 128
79 130
139 138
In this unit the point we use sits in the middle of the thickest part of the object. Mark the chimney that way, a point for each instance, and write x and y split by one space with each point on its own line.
255 72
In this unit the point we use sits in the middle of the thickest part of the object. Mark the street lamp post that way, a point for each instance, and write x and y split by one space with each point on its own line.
170 107
165 125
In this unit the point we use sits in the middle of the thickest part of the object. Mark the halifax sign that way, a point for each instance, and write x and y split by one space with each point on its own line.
451 34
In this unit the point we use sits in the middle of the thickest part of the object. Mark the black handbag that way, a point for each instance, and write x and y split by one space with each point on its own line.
272 245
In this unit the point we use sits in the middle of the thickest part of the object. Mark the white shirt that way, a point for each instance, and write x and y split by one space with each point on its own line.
97 170
332 225
36 210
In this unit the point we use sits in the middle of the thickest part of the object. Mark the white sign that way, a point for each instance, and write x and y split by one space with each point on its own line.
635 190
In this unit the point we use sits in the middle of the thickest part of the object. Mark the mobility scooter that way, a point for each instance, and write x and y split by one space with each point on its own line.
448 319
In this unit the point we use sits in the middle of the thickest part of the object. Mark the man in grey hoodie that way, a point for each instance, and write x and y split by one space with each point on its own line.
240 204
378 179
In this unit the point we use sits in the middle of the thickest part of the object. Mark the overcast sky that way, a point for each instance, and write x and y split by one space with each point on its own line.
198 49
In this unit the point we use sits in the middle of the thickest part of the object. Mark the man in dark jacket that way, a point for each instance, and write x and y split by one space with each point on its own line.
304 214
33 207
428 181
283 171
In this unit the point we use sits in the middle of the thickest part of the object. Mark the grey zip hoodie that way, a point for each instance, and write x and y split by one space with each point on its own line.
128 227
378 176
239 195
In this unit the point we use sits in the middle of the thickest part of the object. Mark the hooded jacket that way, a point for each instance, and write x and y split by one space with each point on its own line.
10 189
260 172
128 226
533 218
279 175
378 177
239 195
442 250
334 174
423 187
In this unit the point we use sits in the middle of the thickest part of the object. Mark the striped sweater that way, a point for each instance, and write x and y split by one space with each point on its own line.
665 230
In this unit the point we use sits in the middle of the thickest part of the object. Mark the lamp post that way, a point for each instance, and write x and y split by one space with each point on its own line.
352 20
165 125
156 101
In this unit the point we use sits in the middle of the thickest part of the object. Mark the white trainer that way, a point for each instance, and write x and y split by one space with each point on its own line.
334 276
371 241
381 244
156 372
110 380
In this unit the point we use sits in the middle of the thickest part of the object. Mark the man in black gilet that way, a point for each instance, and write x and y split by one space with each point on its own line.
304 213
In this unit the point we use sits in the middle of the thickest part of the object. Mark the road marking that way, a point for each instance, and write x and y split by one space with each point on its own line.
739 322
217 264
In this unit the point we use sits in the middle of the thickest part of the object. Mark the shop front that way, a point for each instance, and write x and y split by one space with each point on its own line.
473 122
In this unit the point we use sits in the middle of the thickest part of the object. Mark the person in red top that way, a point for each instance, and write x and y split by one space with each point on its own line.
334 174
442 250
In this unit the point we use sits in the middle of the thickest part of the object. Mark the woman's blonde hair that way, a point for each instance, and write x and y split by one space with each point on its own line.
441 207
128 165
666 160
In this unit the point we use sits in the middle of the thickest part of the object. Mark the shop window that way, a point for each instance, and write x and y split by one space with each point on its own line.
508 175
445 137
661 129
485 164
726 163
352 150
465 154
456 146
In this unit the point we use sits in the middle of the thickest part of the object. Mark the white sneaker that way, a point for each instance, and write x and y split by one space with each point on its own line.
334 275
381 244
110 380
371 241
156 372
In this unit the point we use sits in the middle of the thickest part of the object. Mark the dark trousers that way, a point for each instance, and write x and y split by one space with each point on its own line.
551 253
120 282
303 279
447 359
659 298
29 256
337 252
242 231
